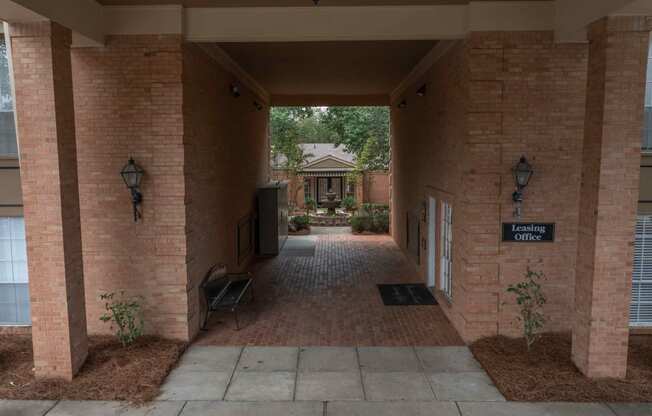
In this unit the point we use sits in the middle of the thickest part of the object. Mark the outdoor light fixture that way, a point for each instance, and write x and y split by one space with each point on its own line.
132 174
258 105
235 90
402 104
522 173
316 2
421 92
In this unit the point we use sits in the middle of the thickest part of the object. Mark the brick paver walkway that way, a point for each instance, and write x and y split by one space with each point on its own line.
331 298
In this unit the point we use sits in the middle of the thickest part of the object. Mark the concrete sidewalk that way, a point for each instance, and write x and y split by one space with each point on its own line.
313 408
318 381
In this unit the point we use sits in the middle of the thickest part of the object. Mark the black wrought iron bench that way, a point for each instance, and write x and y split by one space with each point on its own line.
225 292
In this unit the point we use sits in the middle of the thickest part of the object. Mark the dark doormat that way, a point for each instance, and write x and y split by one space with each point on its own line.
406 294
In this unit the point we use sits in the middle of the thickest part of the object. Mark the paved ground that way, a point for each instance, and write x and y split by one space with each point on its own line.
329 374
327 296
325 381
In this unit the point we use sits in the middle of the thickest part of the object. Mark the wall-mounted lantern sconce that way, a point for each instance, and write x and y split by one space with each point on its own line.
522 172
258 105
316 2
421 92
402 104
132 174
235 90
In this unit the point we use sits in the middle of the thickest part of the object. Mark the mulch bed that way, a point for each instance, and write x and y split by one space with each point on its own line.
548 374
111 372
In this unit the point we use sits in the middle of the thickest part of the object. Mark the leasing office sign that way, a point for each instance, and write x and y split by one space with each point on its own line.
528 232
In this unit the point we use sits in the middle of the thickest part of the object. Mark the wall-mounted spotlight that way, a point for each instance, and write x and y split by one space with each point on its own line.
422 90
235 90
402 104
258 105
132 174
522 172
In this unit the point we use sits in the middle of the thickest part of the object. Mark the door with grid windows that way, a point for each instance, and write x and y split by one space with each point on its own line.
446 268
640 310
14 291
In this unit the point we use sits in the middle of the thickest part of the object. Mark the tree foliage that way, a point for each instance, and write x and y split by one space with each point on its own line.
362 131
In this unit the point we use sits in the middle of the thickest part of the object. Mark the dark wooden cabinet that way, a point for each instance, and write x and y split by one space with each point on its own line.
272 201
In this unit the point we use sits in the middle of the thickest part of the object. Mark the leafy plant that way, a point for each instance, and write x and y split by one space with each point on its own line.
300 222
380 223
349 203
126 314
310 204
530 299
360 223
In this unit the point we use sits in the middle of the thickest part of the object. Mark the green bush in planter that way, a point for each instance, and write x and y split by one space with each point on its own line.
349 204
300 222
310 204
361 223
380 223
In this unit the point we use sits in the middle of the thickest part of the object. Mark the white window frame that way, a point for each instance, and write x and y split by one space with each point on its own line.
14 253
640 310
446 250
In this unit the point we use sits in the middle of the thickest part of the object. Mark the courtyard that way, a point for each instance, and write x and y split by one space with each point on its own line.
321 291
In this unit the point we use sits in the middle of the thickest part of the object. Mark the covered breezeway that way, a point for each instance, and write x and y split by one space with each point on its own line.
330 298
186 89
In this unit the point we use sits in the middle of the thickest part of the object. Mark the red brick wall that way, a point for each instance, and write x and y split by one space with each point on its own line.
609 193
527 98
427 147
491 99
376 187
46 125
226 158
128 102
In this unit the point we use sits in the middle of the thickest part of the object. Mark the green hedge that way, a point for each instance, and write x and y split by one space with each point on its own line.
378 223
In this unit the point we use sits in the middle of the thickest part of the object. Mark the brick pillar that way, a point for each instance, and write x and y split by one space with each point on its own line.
609 194
300 193
360 189
48 159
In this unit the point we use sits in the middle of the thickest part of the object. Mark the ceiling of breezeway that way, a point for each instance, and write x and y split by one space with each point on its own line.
328 68
287 3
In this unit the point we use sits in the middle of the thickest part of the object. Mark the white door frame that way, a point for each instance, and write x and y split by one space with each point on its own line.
432 241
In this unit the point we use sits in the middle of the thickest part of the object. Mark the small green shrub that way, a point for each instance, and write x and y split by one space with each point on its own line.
375 209
310 204
300 222
349 203
360 223
530 299
126 314
380 223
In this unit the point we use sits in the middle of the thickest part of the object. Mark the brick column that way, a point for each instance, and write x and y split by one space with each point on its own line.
609 194
360 189
48 159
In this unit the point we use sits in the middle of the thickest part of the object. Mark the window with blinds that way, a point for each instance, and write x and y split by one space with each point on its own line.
446 269
640 311
14 291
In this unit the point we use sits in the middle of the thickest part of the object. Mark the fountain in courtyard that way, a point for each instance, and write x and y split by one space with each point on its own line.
331 203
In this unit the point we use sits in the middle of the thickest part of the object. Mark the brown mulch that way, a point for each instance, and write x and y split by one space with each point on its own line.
548 374
111 372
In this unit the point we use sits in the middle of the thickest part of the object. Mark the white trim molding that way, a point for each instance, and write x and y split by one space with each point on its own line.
144 20
292 24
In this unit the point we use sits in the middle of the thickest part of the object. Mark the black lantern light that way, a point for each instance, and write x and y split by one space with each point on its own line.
522 174
402 104
132 174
